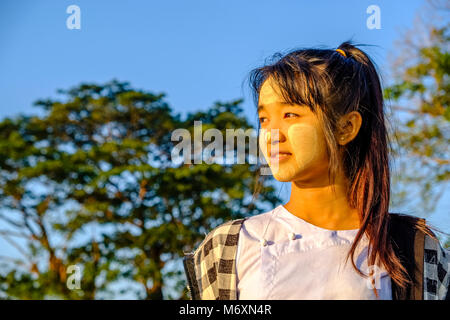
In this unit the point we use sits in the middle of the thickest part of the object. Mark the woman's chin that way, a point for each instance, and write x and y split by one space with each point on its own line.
283 179
283 175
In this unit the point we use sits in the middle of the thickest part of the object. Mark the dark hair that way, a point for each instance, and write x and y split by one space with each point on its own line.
332 84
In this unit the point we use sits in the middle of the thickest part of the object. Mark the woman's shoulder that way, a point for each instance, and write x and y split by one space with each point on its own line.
256 223
227 233
228 228
400 223
404 220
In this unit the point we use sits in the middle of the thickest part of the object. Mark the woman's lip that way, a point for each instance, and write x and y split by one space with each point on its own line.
280 156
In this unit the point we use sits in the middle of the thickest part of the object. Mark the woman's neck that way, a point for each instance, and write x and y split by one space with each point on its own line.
323 205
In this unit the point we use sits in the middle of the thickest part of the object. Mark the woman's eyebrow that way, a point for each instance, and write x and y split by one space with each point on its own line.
283 104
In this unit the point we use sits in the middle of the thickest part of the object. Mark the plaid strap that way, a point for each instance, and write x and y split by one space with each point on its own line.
211 269
436 270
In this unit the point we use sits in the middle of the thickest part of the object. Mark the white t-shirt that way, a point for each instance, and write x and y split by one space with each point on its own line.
302 261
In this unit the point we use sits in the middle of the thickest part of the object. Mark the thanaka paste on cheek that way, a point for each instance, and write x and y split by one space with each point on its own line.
283 171
305 148
304 142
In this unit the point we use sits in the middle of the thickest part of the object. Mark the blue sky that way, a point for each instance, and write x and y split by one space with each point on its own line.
196 52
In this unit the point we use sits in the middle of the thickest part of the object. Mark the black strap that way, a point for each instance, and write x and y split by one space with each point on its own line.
188 263
408 244
419 247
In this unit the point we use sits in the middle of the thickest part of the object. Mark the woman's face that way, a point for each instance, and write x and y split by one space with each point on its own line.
294 130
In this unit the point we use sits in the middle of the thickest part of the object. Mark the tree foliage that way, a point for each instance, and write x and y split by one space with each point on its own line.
91 183
420 97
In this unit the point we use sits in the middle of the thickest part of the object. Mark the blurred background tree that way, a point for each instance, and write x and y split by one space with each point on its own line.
420 98
92 184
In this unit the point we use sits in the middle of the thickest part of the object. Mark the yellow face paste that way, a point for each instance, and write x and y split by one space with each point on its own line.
305 146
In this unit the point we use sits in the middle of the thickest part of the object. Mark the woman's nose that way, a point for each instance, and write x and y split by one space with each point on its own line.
274 135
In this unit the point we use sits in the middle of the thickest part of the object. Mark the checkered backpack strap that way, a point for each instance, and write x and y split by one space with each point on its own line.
211 269
436 270
424 258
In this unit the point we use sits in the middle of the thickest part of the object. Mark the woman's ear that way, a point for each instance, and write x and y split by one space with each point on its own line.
348 127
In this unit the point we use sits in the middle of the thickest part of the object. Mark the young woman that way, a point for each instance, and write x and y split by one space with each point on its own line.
322 129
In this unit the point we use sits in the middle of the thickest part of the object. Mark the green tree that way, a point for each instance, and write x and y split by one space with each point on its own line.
91 183
420 97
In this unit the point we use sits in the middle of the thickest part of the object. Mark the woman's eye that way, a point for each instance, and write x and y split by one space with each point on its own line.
261 119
